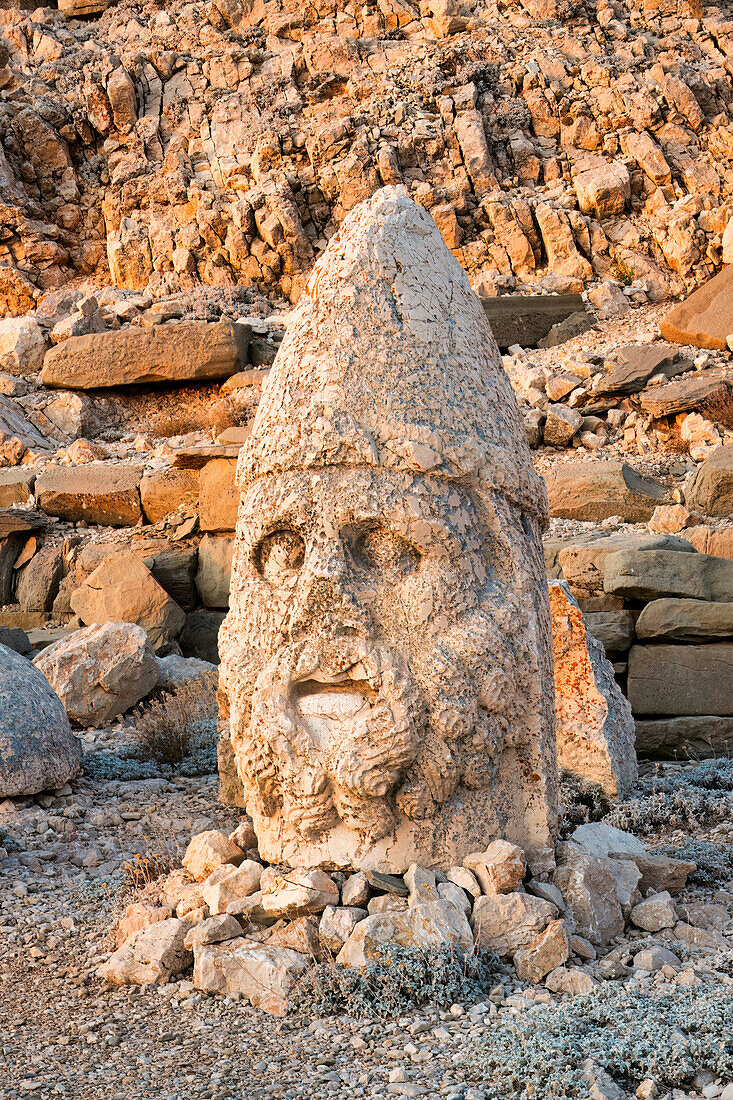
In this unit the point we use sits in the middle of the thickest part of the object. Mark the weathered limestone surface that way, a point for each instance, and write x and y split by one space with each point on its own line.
705 319
681 679
685 621
218 495
37 748
108 495
391 698
101 671
595 730
711 488
192 351
688 737
163 492
653 574
597 490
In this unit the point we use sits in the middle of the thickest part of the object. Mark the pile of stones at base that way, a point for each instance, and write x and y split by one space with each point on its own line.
252 931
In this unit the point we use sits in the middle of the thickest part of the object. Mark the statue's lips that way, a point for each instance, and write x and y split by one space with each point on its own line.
329 708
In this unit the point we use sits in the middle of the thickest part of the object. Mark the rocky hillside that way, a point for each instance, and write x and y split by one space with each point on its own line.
555 142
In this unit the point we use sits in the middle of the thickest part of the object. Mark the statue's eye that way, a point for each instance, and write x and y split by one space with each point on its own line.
279 555
383 550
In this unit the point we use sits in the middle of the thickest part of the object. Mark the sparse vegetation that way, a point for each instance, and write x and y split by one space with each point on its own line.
397 981
700 796
177 723
714 861
624 272
581 801
630 1035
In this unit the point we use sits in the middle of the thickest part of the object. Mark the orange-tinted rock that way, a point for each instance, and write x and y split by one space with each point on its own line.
705 319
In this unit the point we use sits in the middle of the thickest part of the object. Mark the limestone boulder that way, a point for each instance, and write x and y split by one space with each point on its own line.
151 956
589 892
681 679
598 490
638 363
504 923
705 392
137 916
208 851
561 424
107 495
176 670
22 345
100 671
122 589
227 883
654 574
603 191
337 923
162 492
435 924
705 318
500 869
548 951
711 488
297 892
261 973
214 569
659 872
581 559
16 487
613 629
596 838
655 913
217 929
595 729
191 351
38 751
669 620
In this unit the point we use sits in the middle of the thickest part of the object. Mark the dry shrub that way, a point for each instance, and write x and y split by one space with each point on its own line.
175 723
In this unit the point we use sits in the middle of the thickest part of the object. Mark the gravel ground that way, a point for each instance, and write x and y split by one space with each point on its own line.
64 1033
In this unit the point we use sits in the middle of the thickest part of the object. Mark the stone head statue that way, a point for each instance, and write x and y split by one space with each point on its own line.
387 654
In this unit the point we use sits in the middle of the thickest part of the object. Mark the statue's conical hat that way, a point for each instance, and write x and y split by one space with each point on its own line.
389 361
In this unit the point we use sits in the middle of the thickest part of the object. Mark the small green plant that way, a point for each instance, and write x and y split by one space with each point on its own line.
176 723
669 1036
624 272
397 980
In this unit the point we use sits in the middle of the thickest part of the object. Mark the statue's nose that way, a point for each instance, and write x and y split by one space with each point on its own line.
324 595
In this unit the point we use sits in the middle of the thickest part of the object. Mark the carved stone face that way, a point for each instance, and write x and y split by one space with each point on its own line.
372 668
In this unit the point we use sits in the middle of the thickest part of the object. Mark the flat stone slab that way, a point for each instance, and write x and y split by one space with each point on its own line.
705 319
107 495
598 490
639 363
18 522
681 679
685 621
527 320
687 737
698 391
653 574
218 495
190 351
194 458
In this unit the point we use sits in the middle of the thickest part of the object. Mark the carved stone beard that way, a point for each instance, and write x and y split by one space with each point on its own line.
344 728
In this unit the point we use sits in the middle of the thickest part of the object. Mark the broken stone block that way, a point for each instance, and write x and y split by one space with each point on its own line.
107 495
681 679
702 392
422 885
589 891
137 916
151 956
654 574
561 424
505 922
218 495
598 839
550 950
226 884
337 923
466 879
613 629
638 363
22 346
100 671
500 869
655 913
38 751
660 873
355 890
262 973
297 892
216 929
16 487
711 489
122 589
595 729
191 351
209 850
688 737
705 318
671 620
570 980
162 492
214 569
300 935
603 191
598 490
434 925
654 958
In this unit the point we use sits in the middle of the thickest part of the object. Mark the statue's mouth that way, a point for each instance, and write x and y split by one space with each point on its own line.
331 707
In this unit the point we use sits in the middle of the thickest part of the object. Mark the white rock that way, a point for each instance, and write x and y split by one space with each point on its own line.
22 345
151 956
209 850
263 974
598 839
226 884
176 670
505 922
297 892
500 869
655 913
434 925
337 923
100 671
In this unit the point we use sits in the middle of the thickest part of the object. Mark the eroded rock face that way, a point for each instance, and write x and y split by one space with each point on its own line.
595 730
387 653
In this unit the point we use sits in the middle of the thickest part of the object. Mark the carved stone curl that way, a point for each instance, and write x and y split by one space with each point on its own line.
387 655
